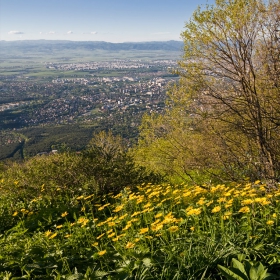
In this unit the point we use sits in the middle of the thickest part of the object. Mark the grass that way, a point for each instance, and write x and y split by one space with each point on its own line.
151 232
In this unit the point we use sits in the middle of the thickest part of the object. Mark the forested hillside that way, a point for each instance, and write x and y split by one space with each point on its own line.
197 197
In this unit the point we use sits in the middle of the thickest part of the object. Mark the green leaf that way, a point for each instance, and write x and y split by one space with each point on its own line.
229 274
240 268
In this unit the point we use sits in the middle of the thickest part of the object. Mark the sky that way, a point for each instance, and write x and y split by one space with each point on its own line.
95 20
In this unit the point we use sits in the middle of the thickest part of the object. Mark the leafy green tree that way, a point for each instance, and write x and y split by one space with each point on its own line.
229 90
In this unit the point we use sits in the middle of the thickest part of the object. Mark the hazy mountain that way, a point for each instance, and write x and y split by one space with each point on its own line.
47 46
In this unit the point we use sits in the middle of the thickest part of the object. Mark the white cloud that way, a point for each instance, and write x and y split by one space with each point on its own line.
15 32
40 32
70 32
51 32
93 32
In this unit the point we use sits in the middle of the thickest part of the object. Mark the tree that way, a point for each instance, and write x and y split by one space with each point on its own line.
229 88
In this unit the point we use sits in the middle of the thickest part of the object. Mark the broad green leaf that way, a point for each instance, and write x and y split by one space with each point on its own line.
229 274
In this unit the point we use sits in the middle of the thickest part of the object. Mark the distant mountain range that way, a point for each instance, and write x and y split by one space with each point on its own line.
53 45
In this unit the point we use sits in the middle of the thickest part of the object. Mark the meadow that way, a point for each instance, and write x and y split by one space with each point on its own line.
163 231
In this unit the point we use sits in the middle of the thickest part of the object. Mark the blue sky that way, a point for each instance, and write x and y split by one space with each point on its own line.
95 20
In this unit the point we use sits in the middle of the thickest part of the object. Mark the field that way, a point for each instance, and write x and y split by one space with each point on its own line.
149 232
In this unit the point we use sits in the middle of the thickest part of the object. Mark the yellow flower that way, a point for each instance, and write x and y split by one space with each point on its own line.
101 253
53 236
67 235
147 205
64 214
60 226
270 223
135 214
226 215
209 203
194 211
118 208
247 201
122 217
144 230
274 215
111 235
115 239
111 224
244 209
127 226
102 207
89 196
94 244
157 227
15 213
129 245
173 228
222 199
80 197
100 236
72 224
192 228
48 233
216 209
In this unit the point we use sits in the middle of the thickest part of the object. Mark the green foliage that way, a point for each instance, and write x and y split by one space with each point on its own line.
246 271
223 116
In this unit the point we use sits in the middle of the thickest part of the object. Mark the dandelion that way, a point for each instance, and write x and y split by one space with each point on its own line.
67 235
270 222
116 238
60 226
158 215
80 197
216 209
72 224
64 214
94 244
129 245
274 215
192 228
101 253
244 209
144 230
15 214
53 236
